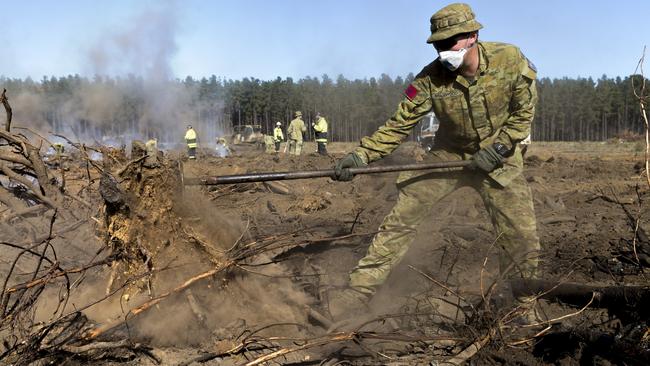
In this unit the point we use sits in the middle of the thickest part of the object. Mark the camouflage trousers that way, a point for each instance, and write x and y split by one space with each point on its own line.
295 147
510 208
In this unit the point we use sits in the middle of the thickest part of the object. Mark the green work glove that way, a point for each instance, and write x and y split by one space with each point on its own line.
341 171
487 159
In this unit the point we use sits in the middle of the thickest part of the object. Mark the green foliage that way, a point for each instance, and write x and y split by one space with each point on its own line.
584 110
568 110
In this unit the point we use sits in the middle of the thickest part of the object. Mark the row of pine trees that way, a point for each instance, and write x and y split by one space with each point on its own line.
580 109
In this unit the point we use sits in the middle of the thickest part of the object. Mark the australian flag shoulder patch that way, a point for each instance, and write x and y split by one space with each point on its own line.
411 92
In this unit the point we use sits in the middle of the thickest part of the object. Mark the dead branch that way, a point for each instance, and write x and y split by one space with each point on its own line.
27 155
129 164
139 309
5 103
13 158
33 190
641 96
468 352
37 209
610 297
60 273
82 148
95 346
336 338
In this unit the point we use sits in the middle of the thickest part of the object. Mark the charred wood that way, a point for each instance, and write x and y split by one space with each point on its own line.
617 299
5 102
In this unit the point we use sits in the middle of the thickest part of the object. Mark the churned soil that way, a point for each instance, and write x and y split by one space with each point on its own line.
589 198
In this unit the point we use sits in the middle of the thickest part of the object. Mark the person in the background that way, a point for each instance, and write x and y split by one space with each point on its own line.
278 136
320 127
269 144
294 134
222 148
59 155
151 161
190 140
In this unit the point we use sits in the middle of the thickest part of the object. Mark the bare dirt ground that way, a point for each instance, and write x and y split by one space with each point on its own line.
226 275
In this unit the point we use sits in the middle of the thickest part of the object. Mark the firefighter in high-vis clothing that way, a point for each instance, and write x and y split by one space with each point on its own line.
278 136
294 134
320 128
484 95
190 140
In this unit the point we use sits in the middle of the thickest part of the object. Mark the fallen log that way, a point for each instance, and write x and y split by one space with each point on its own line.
614 298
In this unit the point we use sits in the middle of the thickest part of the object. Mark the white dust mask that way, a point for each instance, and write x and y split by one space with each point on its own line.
453 59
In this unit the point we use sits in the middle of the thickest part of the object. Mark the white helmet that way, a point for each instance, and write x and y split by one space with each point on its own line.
278 124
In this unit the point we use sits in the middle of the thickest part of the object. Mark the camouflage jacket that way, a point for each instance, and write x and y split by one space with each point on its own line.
295 129
498 106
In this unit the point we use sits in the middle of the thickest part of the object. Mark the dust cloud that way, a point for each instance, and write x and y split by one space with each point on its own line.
128 90
227 304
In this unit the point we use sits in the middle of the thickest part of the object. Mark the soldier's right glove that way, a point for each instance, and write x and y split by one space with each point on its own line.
342 171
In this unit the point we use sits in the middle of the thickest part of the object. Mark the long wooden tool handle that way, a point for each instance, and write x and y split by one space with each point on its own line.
263 177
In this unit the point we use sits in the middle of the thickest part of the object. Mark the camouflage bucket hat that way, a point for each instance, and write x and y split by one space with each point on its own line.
451 20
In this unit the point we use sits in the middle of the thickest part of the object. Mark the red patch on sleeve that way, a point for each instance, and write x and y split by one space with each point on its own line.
411 92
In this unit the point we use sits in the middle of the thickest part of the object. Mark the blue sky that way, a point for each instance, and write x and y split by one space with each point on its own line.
266 39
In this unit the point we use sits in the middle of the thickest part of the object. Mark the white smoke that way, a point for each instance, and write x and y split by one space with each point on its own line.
144 49
131 68
222 151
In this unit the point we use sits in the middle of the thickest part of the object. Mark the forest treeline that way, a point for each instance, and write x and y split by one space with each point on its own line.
579 109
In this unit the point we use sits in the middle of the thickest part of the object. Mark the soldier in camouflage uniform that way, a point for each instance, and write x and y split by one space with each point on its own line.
294 134
484 95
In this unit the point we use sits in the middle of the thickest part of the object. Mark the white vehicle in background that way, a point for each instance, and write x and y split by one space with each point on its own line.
428 127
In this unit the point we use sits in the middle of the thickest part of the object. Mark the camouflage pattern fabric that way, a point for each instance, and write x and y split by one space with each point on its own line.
295 147
451 20
269 144
296 129
510 209
294 133
497 106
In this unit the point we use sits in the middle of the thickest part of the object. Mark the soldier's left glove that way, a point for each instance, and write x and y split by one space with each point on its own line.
489 158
